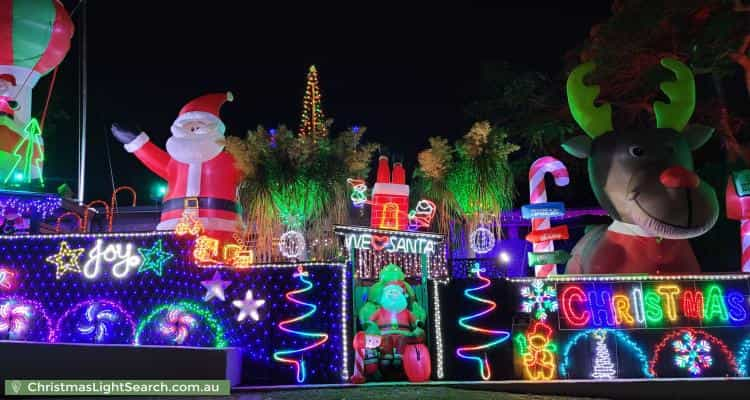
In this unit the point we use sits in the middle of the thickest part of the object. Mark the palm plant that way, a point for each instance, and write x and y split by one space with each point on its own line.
299 182
470 182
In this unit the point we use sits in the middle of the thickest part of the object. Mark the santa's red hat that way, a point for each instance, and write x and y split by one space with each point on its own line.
8 78
205 108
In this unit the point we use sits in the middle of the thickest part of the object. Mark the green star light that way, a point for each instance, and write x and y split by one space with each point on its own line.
154 258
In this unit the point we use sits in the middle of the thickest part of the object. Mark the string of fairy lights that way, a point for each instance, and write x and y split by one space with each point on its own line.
312 117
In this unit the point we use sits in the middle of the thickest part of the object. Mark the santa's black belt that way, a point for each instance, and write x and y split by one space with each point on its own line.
209 203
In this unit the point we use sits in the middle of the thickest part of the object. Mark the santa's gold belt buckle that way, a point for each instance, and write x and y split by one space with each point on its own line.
190 203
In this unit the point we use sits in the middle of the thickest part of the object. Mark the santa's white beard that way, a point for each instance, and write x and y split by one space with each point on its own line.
195 149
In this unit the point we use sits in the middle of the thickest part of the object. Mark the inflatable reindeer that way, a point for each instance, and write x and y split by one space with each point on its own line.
644 179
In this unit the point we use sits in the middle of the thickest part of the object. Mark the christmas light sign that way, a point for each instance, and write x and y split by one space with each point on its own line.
632 326
121 256
391 243
652 305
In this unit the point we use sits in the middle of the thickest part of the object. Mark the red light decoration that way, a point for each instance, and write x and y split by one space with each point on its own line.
667 341
390 197
64 215
692 304
89 206
389 216
568 296
421 217
114 202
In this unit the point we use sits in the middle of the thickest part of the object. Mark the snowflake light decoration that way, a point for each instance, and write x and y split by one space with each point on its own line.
539 299
692 354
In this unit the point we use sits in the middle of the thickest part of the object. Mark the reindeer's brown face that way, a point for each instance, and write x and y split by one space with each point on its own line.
646 177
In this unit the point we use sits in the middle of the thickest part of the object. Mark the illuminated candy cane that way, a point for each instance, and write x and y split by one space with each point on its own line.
738 208
537 195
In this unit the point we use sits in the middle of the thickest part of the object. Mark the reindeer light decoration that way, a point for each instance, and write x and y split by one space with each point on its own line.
644 179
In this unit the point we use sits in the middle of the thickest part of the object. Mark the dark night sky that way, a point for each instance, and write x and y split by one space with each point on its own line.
404 72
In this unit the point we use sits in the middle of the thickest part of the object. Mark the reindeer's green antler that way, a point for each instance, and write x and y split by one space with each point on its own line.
681 93
594 120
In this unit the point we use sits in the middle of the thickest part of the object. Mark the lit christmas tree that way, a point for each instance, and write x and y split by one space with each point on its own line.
320 337
603 366
29 155
497 336
313 121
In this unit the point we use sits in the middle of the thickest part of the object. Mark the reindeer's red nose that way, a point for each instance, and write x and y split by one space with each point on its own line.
679 177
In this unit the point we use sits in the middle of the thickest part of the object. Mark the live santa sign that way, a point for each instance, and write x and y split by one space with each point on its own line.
389 241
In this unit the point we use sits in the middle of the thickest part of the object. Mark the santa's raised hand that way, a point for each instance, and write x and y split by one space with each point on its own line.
122 134
201 174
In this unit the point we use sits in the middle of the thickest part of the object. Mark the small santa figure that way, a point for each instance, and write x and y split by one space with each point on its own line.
8 106
201 175
396 325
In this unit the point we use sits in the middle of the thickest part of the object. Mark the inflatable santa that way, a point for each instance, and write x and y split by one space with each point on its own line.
393 336
201 175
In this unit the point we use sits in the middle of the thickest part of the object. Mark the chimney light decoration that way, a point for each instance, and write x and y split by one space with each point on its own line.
390 200
390 197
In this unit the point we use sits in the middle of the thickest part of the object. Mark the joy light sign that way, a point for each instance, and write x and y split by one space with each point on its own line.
640 305
121 256
391 243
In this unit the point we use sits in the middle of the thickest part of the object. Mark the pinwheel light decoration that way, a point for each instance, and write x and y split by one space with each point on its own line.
177 325
97 320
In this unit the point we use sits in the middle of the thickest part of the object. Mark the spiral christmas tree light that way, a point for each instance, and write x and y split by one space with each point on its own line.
500 336
321 337
603 368
313 121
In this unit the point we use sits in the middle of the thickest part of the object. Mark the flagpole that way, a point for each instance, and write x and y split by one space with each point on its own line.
83 105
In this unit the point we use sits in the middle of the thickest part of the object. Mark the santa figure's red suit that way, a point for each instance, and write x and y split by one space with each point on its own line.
394 327
389 322
201 175
627 248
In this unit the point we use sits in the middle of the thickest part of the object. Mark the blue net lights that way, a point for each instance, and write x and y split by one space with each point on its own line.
113 305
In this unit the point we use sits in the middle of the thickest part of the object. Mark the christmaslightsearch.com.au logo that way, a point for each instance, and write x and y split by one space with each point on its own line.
92 387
